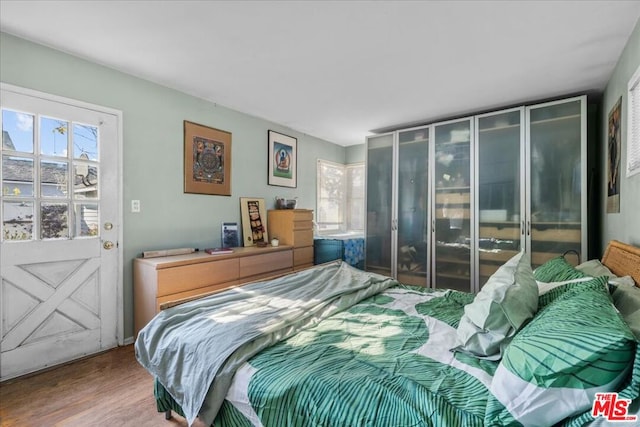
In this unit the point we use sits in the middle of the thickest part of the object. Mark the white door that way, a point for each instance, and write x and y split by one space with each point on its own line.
59 259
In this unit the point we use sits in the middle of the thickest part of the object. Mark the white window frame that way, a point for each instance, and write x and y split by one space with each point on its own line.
633 124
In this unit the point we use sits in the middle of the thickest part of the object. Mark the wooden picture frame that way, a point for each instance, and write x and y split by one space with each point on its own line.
207 160
283 160
254 221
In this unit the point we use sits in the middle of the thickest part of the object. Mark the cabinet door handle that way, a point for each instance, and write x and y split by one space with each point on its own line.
522 230
433 225
528 228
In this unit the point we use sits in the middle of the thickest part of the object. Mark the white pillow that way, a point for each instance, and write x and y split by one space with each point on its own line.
596 269
503 305
544 287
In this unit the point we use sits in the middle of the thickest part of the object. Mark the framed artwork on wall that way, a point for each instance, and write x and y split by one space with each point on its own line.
254 221
283 159
614 149
207 160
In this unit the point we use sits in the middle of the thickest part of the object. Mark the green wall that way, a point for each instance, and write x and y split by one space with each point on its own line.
153 151
623 226
355 154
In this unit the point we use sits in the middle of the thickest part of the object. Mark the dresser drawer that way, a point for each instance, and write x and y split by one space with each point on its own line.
195 292
302 215
303 255
259 264
302 238
188 277
302 225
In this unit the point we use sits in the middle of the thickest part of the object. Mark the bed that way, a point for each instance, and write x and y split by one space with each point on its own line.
333 345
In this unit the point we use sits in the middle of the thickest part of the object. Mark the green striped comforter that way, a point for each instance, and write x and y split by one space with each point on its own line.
384 362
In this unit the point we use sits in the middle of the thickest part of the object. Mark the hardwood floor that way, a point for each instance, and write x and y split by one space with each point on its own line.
109 389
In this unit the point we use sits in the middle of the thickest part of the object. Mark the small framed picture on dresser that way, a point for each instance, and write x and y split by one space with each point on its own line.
229 236
254 221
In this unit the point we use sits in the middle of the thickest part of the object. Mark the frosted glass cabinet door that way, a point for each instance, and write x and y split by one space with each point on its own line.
413 217
555 148
379 204
500 145
452 214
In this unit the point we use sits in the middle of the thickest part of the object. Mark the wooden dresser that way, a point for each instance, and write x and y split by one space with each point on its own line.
293 227
164 279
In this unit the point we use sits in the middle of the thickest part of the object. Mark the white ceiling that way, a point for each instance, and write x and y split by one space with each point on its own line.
338 70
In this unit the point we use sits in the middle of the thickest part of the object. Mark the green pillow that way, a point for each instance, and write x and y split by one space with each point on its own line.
503 305
557 270
549 292
577 346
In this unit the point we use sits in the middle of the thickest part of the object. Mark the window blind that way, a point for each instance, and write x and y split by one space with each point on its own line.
355 197
340 197
330 196
633 126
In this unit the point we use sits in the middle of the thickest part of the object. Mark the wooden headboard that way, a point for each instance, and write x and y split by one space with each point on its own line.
623 260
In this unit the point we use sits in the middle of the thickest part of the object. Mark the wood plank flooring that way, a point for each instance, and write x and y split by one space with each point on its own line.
109 389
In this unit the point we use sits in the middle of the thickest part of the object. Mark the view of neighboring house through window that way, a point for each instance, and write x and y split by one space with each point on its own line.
49 178
340 197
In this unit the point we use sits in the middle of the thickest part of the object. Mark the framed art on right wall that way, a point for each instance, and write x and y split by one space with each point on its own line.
614 149
283 159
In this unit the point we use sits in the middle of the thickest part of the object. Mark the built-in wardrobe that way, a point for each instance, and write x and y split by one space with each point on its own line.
449 202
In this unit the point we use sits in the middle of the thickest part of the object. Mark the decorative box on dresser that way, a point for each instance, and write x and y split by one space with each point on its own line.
294 227
160 280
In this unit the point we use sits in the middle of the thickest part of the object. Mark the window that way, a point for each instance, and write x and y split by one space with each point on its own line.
355 197
633 132
340 197
49 172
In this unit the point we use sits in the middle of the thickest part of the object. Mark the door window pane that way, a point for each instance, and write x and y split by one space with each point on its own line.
54 179
85 183
54 220
17 131
53 137
17 220
85 142
17 176
87 224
